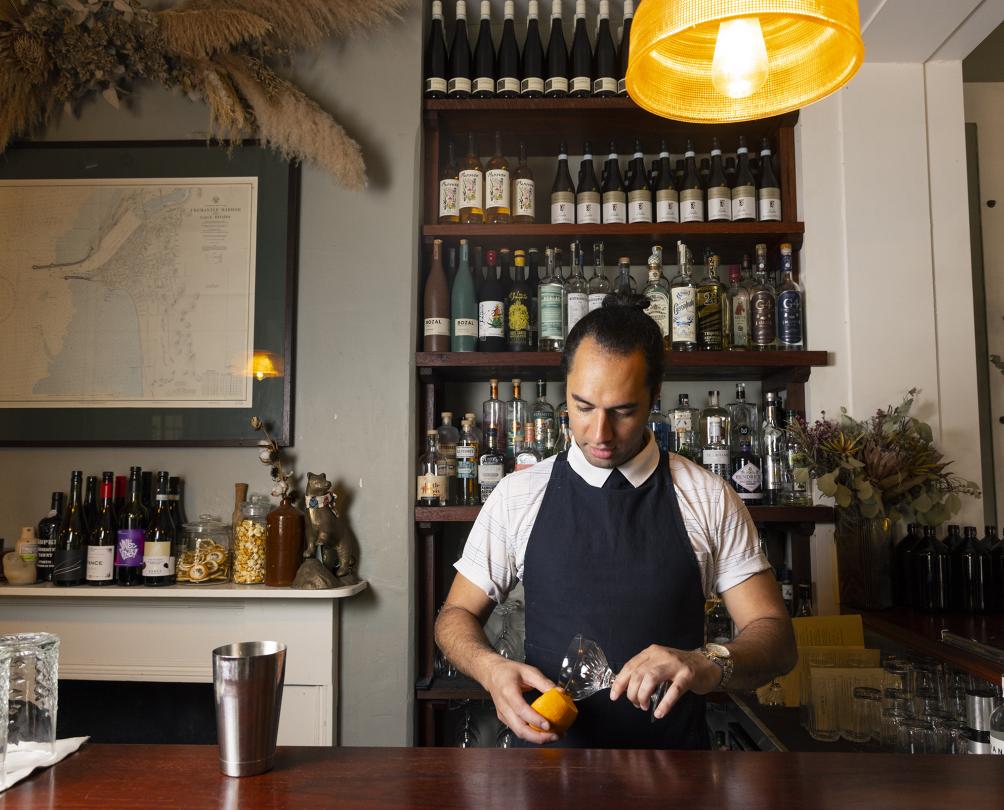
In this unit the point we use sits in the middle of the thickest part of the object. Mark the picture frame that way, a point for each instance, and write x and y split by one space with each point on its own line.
270 187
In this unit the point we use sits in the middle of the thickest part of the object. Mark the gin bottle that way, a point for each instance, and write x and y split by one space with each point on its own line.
775 454
714 410
763 306
657 424
552 310
789 306
545 429
564 440
683 305
746 469
599 285
683 422
658 294
491 465
625 281
576 290
715 453
744 421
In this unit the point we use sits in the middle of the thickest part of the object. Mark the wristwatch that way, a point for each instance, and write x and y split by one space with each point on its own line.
721 656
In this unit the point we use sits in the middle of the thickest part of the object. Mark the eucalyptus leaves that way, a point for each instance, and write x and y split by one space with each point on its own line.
886 466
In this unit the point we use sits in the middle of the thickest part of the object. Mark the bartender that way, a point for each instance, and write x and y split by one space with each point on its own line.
622 543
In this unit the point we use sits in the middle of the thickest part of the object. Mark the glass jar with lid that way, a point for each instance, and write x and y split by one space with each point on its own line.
205 551
249 541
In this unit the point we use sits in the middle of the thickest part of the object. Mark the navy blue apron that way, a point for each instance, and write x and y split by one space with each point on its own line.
616 565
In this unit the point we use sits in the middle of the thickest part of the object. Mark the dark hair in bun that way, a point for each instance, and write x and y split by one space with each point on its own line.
620 326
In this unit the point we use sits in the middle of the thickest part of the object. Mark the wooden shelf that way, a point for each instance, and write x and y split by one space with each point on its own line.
922 632
772 368
225 590
760 514
730 240
459 688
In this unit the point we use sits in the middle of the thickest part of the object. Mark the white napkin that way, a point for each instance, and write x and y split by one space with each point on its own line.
22 760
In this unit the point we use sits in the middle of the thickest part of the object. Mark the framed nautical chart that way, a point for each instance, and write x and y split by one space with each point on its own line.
147 293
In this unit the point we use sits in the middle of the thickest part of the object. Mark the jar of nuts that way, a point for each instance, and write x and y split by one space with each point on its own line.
205 551
249 541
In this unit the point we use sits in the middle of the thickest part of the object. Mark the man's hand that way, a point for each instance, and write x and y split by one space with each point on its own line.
682 670
506 681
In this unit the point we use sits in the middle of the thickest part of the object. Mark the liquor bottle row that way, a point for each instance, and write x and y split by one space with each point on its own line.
125 533
962 573
757 457
509 72
506 305
733 190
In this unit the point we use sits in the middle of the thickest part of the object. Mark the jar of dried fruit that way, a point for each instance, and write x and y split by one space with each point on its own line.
249 541
205 551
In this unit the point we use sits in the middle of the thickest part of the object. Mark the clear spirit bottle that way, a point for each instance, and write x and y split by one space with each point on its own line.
544 426
746 470
468 450
683 425
527 454
657 292
564 441
714 410
744 421
763 306
775 454
657 424
798 491
790 304
432 477
715 453
683 305
475 430
449 437
515 420
712 310
625 281
491 465
739 305
599 284
552 309
493 412
576 290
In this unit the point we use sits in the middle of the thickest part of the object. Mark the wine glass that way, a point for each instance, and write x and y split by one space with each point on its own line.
506 643
505 738
585 671
467 735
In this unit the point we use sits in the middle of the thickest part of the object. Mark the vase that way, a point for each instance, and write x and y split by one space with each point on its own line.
864 561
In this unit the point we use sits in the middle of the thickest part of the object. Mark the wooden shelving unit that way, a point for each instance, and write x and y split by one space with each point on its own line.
761 514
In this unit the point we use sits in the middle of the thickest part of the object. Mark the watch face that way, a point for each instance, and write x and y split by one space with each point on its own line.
718 650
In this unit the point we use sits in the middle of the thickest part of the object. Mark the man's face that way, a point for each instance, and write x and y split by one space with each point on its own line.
608 404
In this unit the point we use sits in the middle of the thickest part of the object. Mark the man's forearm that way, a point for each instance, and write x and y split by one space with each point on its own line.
462 639
764 649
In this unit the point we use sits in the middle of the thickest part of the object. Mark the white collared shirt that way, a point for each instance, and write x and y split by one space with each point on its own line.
720 528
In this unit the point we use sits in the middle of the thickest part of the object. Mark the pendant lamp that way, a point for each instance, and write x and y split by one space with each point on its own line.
715 61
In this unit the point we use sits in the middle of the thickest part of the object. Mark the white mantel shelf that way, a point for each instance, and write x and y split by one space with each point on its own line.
227 590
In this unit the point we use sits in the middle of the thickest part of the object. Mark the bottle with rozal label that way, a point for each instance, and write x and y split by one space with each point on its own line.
160 548
614 197
524 210
68 559
770 188
719 193
582 55
532 61
657 291
556 82
483 85
459 84
691 190
562 192
436 305
683 305
463 306
433 481
498 197
100 566
638 192
507 78
605 57
744 191
587 195
436 57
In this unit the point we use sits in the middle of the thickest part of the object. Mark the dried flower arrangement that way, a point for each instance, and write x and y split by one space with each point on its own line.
270 454
54 54
886 466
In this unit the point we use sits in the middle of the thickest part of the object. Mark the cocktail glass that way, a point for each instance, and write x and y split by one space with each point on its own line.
585 671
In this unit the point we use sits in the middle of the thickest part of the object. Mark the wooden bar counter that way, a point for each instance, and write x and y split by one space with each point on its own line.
186 777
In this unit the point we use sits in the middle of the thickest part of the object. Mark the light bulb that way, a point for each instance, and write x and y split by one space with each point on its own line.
739 67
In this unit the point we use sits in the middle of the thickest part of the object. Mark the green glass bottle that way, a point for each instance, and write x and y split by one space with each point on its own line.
463 306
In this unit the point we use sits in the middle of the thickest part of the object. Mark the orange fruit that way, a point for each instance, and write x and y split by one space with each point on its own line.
557 707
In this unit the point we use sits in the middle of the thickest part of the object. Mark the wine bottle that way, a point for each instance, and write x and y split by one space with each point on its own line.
667 198
587 195
472 182
175 489
556 83
507 74
449 188
147 490
459 84
161 541
100 568
132 531
770 188
48 536
614 197
605 69
436 305
483 85
704 172
90 501
691 191
121 482
562 192
533 279
532 59
436 57
582 55
498 194
744 191
683 305
517 308
624 55
639 194
719 193
524 192
491 309
464 305
71 547
576 290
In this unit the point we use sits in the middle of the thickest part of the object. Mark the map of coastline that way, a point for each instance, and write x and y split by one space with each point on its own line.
127 293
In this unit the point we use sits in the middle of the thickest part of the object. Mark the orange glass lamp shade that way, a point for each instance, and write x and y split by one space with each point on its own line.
557 707
716 61
264 364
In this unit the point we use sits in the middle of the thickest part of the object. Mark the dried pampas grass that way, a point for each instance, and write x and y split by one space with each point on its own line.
201 33
22 108
227 116
294 125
